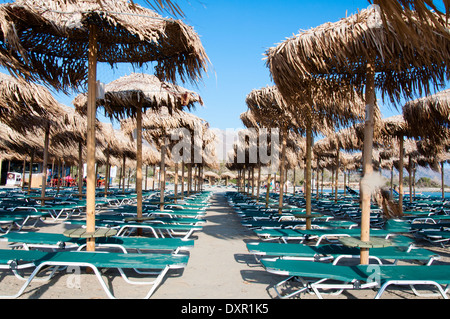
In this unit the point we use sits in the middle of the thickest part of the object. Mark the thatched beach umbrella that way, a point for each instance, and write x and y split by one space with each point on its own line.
73 131
53 40
396 127
131 95
300 120
156 125
398 13
13 142
429 116
259 124
268 107
26 107
227 176
361 51
211 176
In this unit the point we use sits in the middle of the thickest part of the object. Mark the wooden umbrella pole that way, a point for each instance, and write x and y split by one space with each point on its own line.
400 175
336 177
308 170
31 171
139 160
146 177
253 180
392 179
283 155
243 181
91 114
80 169
123 174
63 173
44 164
23 173
107 173
442 181
154 177
58 174
268 190
293 184
317 179
248 181
258 183
182 180
410 178
162 175
367 159
189 183
176 182
345 180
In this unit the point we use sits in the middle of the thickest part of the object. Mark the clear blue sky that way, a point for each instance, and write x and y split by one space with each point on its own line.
235 34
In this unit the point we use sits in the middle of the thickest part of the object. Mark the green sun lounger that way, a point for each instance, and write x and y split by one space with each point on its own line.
272 224
335 253
23 215
58 211
317 276
157 229
150 219
430 226
441 237
160 264
8 222
320 234
38 240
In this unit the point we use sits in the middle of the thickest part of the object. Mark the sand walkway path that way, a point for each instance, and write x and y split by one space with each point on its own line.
219 264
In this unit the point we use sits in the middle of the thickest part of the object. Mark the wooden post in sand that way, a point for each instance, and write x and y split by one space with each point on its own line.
91 115
367 159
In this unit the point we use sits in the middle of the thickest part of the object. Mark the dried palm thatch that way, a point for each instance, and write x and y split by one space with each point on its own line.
47 40
395 13
249 120
429 116
166 6
325 147
16 142
150 156
348 139
394 126
53 40
123 96
211 174
227 175
72 129
156 126
161 121
209 139
25 106
340 51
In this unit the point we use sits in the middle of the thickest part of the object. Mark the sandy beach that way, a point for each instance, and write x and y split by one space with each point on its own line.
219 267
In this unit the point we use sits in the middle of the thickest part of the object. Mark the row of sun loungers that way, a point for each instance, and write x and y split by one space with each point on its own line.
163 248
316 260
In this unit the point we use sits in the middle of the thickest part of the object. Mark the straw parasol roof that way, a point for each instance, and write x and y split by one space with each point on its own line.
125 94
362 52
398 13
52 41
156 126
340 50
429 116
227 175
211 175
25 106
162 120
47 40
